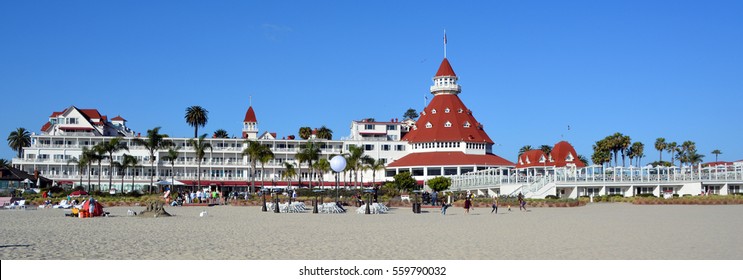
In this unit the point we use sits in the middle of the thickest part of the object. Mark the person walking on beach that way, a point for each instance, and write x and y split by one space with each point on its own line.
495 204
467 205
522 203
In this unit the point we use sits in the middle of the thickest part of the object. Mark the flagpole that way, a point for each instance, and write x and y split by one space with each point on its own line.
444 43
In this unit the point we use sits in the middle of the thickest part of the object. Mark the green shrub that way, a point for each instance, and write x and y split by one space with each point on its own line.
645 195
551 197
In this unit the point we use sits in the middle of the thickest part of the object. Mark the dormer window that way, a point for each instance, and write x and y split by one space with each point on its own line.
446 110
466 124
433 111
429 125
542 159
447 124
569 157
423 113
527 160
460 110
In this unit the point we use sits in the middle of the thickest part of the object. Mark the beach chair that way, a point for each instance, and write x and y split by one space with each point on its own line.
21 204
62 205
404 197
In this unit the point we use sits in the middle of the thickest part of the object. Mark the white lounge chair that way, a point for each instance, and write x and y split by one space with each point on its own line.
21 204
62 205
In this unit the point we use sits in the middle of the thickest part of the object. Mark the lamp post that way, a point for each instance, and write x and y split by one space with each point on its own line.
264 208
314 203
276 200
338 164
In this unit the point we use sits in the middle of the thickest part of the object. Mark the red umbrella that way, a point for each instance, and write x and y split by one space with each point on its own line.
78 193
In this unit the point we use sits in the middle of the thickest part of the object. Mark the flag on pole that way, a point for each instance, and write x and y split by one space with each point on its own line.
444 36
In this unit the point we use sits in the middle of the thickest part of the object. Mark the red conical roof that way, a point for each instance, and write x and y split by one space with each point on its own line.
250 115
445 69
458 124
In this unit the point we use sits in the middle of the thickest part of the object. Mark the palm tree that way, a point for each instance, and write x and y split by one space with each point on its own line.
672 148
546 149
323 167
716 153
374 166
305 132
4 162
154 142
694 158
309 153
525 149
624 143
81 163
199 146
110 147
355 153
583 159
324 133
221 133
98 155
253 152
660 146
637 151
364 164
289 172
18 139
265 155
89 155
196 116
128 161
172 156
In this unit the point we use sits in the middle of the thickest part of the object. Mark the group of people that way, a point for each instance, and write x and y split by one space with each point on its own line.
213 197
468 205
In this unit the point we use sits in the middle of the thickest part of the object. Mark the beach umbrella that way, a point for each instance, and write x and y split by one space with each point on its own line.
78 193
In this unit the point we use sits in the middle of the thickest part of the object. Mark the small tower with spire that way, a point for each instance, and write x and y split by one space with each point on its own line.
250 125
445 81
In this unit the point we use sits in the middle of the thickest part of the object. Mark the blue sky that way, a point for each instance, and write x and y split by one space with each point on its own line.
528 69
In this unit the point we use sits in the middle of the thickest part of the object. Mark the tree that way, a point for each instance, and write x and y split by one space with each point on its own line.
660 146
524 149
637 150
110 147
583 159
18 139
439 183
81 163
353 161
546 149
253 152
221 133
410 114
99 154
623 143
324 133
153 143
289 172
405 182
171 157
199 147
716 153
672 148
694 158
265 155
4 162
323 167
309 153
129 161
376 165
305 132
196 116
601 152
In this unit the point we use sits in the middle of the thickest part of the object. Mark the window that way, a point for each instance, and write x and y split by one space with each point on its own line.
390 173
466 124
446 110
417 172
71 120
615 191
447 124
429 125
391 127
385 147
399 147
466 169
569 157
369 127
460 110
450 171
434 171
433 111
368 147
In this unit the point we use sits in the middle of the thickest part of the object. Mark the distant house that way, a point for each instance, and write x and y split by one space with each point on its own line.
13 178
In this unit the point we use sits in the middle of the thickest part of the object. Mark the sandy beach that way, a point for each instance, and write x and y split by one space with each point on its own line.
611 231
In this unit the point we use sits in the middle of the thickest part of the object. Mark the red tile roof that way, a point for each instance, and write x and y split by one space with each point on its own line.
559 154
46 126
445 69
118 118
458 116
250 115
449 158
56 114
90 114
